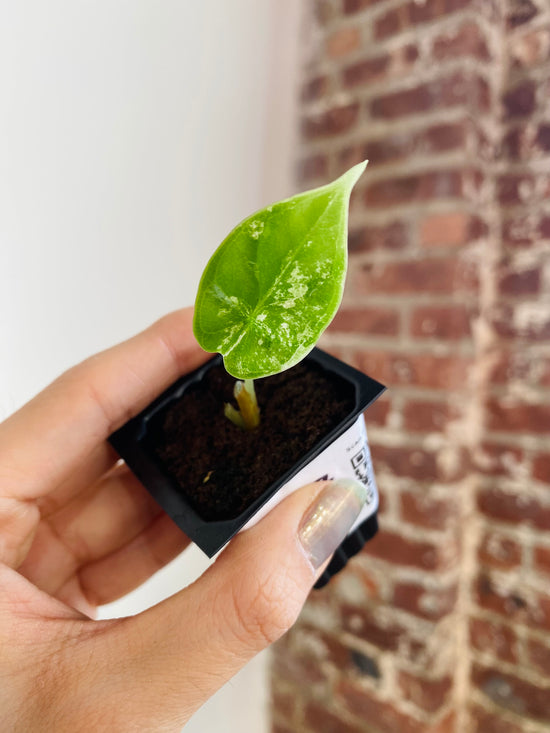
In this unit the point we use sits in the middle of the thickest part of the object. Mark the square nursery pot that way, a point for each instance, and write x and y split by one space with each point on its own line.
214 479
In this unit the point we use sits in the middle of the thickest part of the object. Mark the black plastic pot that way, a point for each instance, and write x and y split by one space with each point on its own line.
131 442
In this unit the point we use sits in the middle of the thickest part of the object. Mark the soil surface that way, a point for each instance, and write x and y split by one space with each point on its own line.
222 469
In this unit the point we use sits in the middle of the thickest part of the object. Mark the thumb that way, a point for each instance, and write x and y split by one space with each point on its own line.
187 647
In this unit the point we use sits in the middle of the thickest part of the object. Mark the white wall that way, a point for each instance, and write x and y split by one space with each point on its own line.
134 135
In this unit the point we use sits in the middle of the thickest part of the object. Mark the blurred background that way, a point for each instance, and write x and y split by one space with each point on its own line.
134 135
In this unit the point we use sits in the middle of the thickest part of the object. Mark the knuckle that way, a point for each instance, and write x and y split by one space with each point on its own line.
265 607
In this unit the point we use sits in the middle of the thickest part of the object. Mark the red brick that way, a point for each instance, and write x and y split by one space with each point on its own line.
428 694
420 370
354 6
541 468
506 602
394 548
494 459
320 646
349 156
467 40
402 144
429 603
499 551
520 12
491 722
362 623
534 329
452 228
512 603
457 89
513 144
389 149
394 236
447 724
539 655
419 652
428 416
296 669
324 12
366 71
445 323
318 718
382 502
423 12
426 511
394 21
313 167
542 559
368 578
334 121
542 365
515 416
515 189
284 703
415 188
433 275
315 88
520 101
543 138
372 321
512 693
494 638
377 413
342 42
414 13
410 52
519 230
514 508
382 716
422 464
277 727
544 227
522 282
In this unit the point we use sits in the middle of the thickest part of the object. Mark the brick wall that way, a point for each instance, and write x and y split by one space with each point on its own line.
442 625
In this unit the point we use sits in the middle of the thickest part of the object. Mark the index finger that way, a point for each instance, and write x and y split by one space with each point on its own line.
51 437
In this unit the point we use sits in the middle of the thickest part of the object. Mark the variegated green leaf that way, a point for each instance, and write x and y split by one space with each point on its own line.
275 283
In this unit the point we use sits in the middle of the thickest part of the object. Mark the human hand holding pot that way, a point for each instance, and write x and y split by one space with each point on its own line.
78 530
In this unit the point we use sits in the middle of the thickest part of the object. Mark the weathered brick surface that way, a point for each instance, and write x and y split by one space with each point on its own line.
427 694
514 693
343 41
499 550
442 623
429 603
485 721
494 638
379 321
425 510
539 655
442 322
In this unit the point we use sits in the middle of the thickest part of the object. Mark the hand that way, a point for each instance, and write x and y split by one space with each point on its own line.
77 530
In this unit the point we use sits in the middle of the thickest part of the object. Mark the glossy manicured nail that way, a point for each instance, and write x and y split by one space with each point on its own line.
328 520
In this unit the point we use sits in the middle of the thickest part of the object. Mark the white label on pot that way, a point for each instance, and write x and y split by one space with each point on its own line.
347 457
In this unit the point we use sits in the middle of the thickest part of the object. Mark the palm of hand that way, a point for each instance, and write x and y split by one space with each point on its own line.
77 530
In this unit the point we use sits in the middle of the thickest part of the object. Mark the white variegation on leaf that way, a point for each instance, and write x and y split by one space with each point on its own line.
275 283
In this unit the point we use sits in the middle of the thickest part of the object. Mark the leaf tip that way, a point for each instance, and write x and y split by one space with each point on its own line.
352 175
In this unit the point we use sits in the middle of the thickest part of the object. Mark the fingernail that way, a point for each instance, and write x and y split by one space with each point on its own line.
328 520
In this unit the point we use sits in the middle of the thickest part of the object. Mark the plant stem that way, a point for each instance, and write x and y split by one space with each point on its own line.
248 415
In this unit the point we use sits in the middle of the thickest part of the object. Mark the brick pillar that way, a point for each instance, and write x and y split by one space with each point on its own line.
442 624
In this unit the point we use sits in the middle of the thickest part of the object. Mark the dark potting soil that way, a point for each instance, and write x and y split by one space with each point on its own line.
221 468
